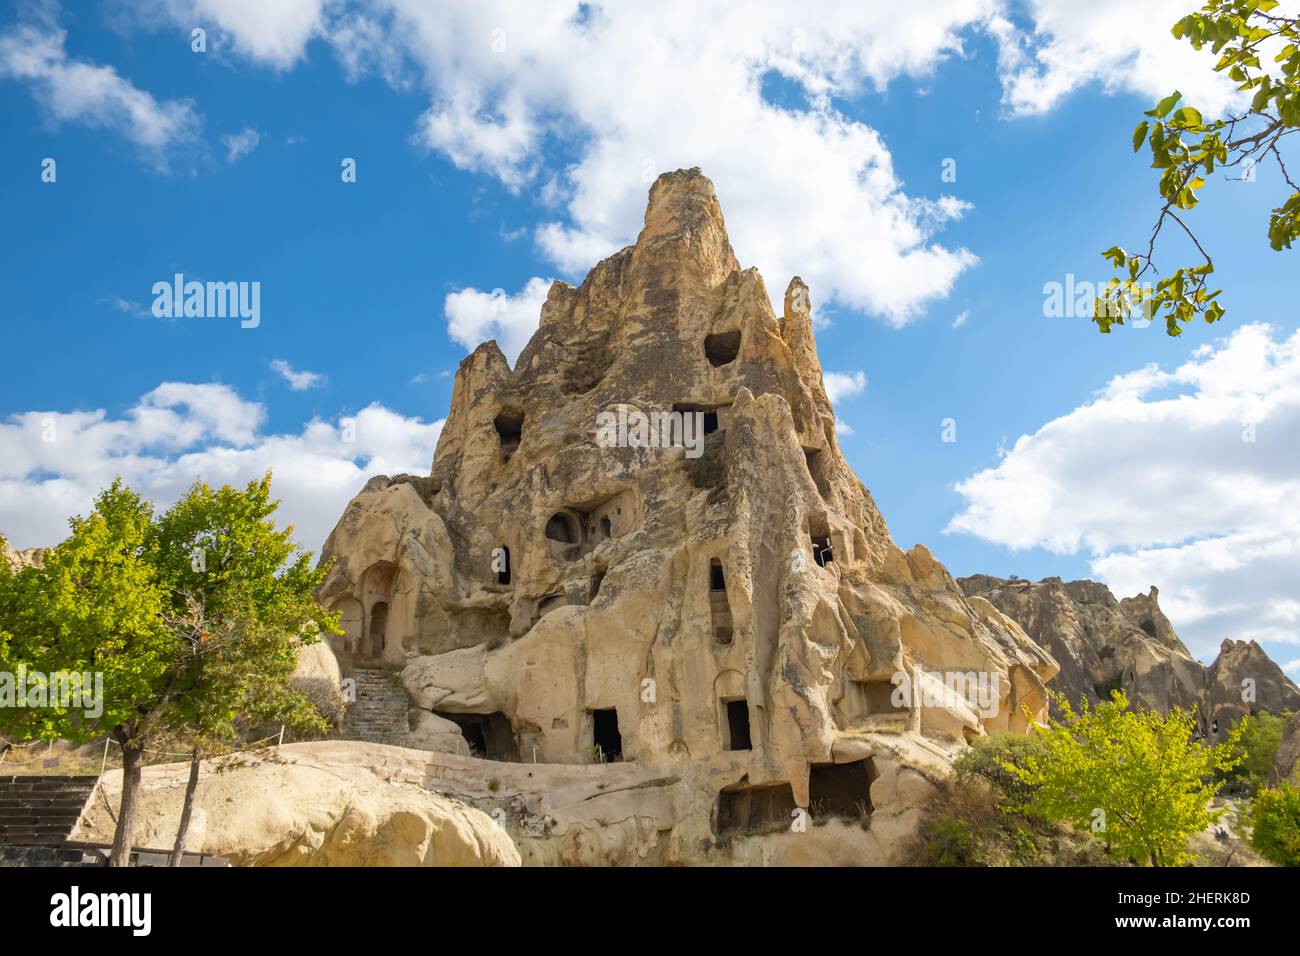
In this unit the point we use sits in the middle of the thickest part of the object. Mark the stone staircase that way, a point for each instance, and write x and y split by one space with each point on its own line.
379 714
41 811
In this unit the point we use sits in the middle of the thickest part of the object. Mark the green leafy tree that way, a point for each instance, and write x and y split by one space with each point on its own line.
240 598
239 673
1261 735
194 619
95 606
1188 148
1275 819
1138 779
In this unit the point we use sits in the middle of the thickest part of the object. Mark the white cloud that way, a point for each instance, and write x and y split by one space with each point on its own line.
298 381
632 90
127 306
52 464
1292 667
636 89
272 32
1158 480
1122 45
72 90
474 316
962 318
239 145
843 384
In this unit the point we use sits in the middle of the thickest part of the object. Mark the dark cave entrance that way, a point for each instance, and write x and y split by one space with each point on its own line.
607 742
738 724
489 736
510 429
744 808
841 789
378 628
721 348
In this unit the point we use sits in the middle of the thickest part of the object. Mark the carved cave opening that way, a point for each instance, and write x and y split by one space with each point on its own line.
711 417
606 741
489 736
878 697
744 808
509 424
721 348
579 528
719 607
841 789
564 528
378 628
738 724
503 571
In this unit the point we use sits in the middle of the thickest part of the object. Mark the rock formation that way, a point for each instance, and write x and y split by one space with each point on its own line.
317 675
1244 680
1104 645
315 804
30 557
1286 762
641 562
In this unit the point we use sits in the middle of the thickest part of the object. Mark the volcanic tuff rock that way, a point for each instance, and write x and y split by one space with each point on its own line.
31 557
1103 645
1286 762
728 623
329 803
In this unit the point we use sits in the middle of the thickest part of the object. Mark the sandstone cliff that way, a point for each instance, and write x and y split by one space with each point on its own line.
316 804
1286 762
30 557
1103 645
729 615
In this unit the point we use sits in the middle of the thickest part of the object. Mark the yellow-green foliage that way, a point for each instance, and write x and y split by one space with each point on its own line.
1260 738
1275 816
1138 780
1258 49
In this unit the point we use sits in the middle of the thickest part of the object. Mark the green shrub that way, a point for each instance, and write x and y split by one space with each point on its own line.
987 760
1275 816
1260 738
965 825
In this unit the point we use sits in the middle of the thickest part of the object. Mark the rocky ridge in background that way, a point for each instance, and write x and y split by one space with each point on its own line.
30 557
1104 644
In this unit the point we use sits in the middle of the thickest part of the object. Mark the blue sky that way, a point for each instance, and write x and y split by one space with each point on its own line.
488 160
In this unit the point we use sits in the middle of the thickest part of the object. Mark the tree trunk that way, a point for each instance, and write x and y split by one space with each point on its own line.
132 756
186 808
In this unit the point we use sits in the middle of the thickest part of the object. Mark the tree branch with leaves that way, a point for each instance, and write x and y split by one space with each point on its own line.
1188 149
